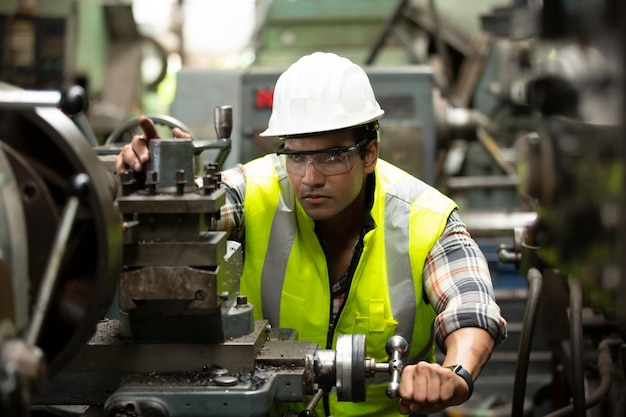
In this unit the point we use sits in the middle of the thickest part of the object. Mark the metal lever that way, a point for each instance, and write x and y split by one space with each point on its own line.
396 348
223 120
513 254
309 410
78 187
72 101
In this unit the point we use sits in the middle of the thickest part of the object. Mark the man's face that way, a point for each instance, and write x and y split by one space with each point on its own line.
323 193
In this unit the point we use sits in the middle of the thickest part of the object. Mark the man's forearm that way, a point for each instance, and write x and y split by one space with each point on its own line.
470 347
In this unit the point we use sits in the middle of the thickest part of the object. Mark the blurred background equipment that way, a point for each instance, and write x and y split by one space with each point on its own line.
96 45
60 250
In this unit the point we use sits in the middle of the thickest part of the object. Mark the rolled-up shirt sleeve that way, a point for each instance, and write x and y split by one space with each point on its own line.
231 218
458 285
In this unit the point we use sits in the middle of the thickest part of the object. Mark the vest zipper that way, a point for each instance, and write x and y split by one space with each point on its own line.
356 256
358 250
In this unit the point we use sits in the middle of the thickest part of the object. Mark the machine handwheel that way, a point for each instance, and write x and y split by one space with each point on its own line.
125 132
45 152
351 367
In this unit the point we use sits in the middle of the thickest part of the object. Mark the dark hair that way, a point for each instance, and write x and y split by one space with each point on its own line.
369 131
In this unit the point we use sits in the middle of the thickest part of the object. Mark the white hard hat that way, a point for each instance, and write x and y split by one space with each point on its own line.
321 92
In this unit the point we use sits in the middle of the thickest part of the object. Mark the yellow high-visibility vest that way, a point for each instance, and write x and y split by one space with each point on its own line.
285 275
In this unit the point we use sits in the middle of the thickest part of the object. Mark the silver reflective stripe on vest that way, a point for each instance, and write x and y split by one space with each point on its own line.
283 230
399 274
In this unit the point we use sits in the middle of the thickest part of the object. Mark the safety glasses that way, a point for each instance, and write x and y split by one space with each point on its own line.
328 162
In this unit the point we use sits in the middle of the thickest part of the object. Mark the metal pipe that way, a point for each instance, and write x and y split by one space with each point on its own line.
496 224
482 181
28 99
535 280
605 367
72 101
507 256
576 346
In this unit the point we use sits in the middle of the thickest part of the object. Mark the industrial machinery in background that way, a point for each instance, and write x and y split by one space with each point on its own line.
551 93
97 45
185 342
59 246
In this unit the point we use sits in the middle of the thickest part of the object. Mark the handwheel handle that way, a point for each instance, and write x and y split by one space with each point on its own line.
133 124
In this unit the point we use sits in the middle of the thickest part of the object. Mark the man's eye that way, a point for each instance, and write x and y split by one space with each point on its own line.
296 157
334 156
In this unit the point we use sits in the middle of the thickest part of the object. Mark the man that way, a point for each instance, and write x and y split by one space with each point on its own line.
338 241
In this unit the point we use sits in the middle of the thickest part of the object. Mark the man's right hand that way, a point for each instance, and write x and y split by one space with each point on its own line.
136 154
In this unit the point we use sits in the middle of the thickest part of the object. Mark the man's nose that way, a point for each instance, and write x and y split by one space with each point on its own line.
312 176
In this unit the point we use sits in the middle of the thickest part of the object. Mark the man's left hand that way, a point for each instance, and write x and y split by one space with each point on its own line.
429 387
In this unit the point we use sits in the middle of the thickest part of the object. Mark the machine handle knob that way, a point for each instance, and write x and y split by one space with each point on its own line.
223 119
74 100
396 348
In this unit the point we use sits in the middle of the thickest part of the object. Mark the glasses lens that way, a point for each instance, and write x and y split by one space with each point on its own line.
334 163
328 163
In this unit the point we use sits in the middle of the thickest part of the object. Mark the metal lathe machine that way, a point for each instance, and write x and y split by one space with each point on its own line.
113 298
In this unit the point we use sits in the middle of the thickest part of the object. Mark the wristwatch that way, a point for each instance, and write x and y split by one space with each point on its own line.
462 372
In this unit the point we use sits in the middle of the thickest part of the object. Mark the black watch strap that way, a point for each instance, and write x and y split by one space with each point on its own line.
462 372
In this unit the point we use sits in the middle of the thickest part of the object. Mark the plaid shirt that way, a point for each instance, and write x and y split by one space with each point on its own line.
456 276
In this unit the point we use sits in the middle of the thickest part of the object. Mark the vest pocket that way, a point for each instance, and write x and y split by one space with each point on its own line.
376 328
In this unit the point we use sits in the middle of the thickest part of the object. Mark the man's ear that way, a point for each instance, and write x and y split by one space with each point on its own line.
371 156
